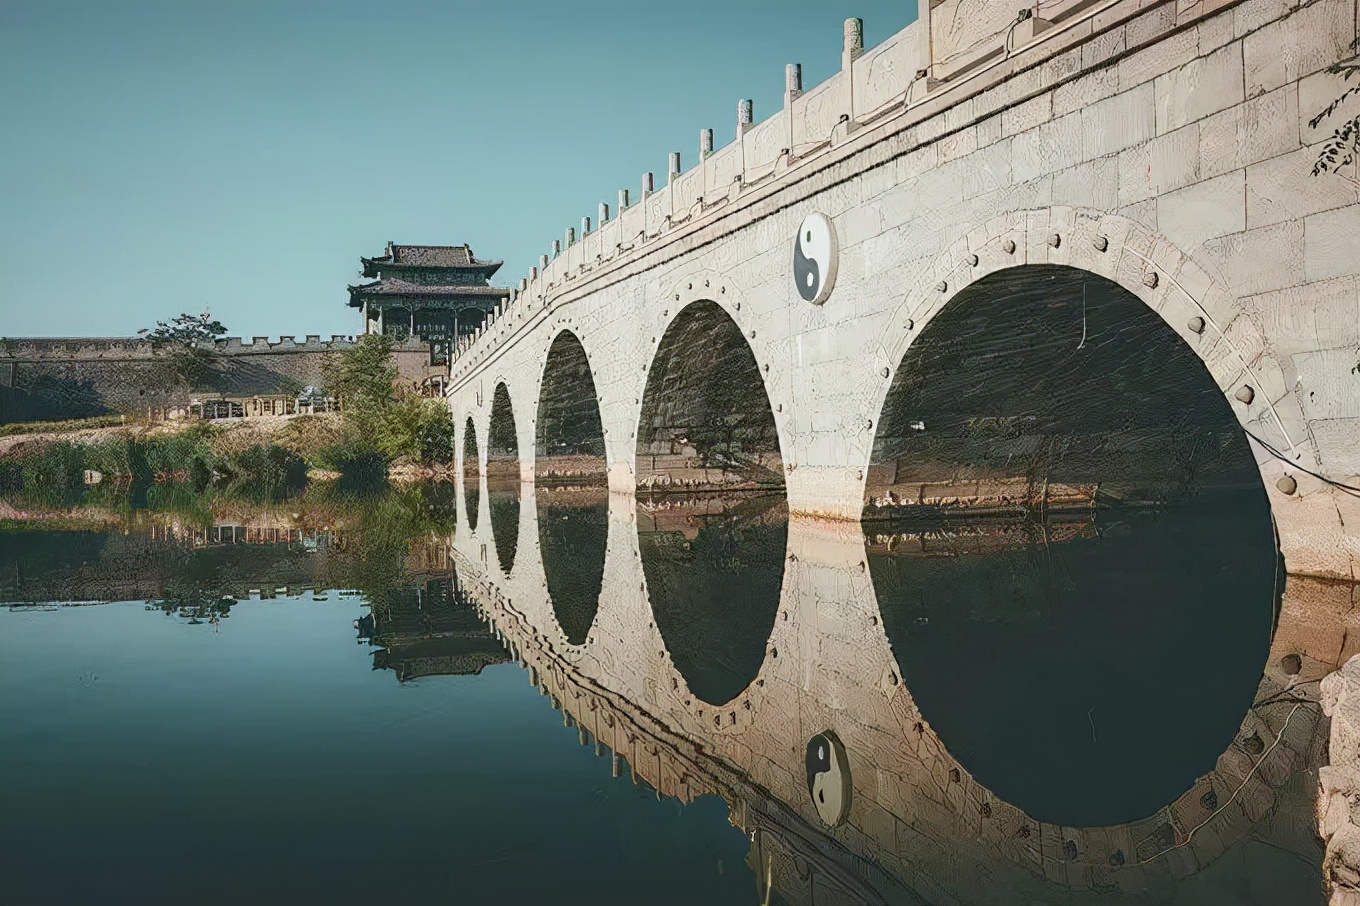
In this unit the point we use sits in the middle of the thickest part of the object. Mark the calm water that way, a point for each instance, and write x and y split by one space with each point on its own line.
353 728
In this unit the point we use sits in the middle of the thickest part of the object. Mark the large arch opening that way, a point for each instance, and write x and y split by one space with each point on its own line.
706 420
568 433
1070 545
472 474
715 570
502 478
571 487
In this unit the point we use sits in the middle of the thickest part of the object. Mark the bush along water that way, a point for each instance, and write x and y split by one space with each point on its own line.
58 472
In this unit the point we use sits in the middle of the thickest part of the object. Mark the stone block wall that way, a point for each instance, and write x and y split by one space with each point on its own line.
57 378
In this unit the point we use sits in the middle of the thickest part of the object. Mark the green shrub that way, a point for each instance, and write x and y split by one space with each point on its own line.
263 470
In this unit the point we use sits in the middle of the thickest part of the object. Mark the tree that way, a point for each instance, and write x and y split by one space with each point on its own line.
188 342
362 376
1344 143
378 418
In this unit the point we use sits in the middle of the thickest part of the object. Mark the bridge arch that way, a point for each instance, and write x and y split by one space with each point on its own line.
503 477
472 473
705 417
1189 324
570 487
1194 305
568 430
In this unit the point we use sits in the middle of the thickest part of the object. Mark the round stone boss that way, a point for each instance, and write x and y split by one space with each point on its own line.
814 258
828 777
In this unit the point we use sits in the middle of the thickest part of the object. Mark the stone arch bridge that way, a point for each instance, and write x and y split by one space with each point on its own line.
1163 147
1002 262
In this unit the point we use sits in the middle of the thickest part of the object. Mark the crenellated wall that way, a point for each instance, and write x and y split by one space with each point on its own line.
73 377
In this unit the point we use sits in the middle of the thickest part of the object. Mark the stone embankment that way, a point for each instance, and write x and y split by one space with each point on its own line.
1339 785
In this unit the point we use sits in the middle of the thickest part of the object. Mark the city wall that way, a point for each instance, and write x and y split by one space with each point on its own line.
57 378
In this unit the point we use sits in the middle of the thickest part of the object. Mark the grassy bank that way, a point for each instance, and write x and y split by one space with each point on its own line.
382 432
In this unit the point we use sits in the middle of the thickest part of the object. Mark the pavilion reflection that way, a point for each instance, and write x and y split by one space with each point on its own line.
920 826
431 629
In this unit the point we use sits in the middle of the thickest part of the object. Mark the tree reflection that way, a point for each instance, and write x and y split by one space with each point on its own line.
189 551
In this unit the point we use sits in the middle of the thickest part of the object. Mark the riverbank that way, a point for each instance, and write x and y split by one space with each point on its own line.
270 450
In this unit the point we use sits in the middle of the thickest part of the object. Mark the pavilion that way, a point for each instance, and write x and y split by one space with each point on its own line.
437 293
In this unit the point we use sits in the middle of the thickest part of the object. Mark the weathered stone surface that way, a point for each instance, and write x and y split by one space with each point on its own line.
1332 243
1339 783
1120 121
1316 93
1259 260
1283 188
1310 38
1203 211
1183 148
1258 129
1203 86
1051 146
1164 164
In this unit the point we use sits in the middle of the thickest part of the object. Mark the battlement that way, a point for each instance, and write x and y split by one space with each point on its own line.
54 349
285 343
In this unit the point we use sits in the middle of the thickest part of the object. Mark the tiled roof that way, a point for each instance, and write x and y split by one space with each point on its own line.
432 255
452 256
390 286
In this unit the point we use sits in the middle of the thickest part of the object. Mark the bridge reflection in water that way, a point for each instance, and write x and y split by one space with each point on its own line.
1029 713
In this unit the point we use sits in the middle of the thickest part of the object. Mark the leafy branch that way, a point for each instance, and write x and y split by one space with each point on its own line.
189 341
1344 143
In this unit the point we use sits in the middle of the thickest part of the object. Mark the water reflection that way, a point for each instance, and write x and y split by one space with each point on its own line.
472 475
503 478
192 546
899 643
573 524
1085 669
504 505
430 629
714 568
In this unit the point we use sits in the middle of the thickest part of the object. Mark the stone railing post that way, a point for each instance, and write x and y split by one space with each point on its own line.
852 45
793 82
745 114
793 87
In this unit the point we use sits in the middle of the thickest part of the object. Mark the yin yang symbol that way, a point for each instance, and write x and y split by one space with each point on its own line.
828 777
814 258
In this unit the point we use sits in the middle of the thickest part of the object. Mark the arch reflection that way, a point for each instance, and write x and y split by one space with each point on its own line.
573 529
503 478
472 474
714 570
1070 546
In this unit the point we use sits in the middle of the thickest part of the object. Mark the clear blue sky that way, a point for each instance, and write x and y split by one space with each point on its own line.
176 156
